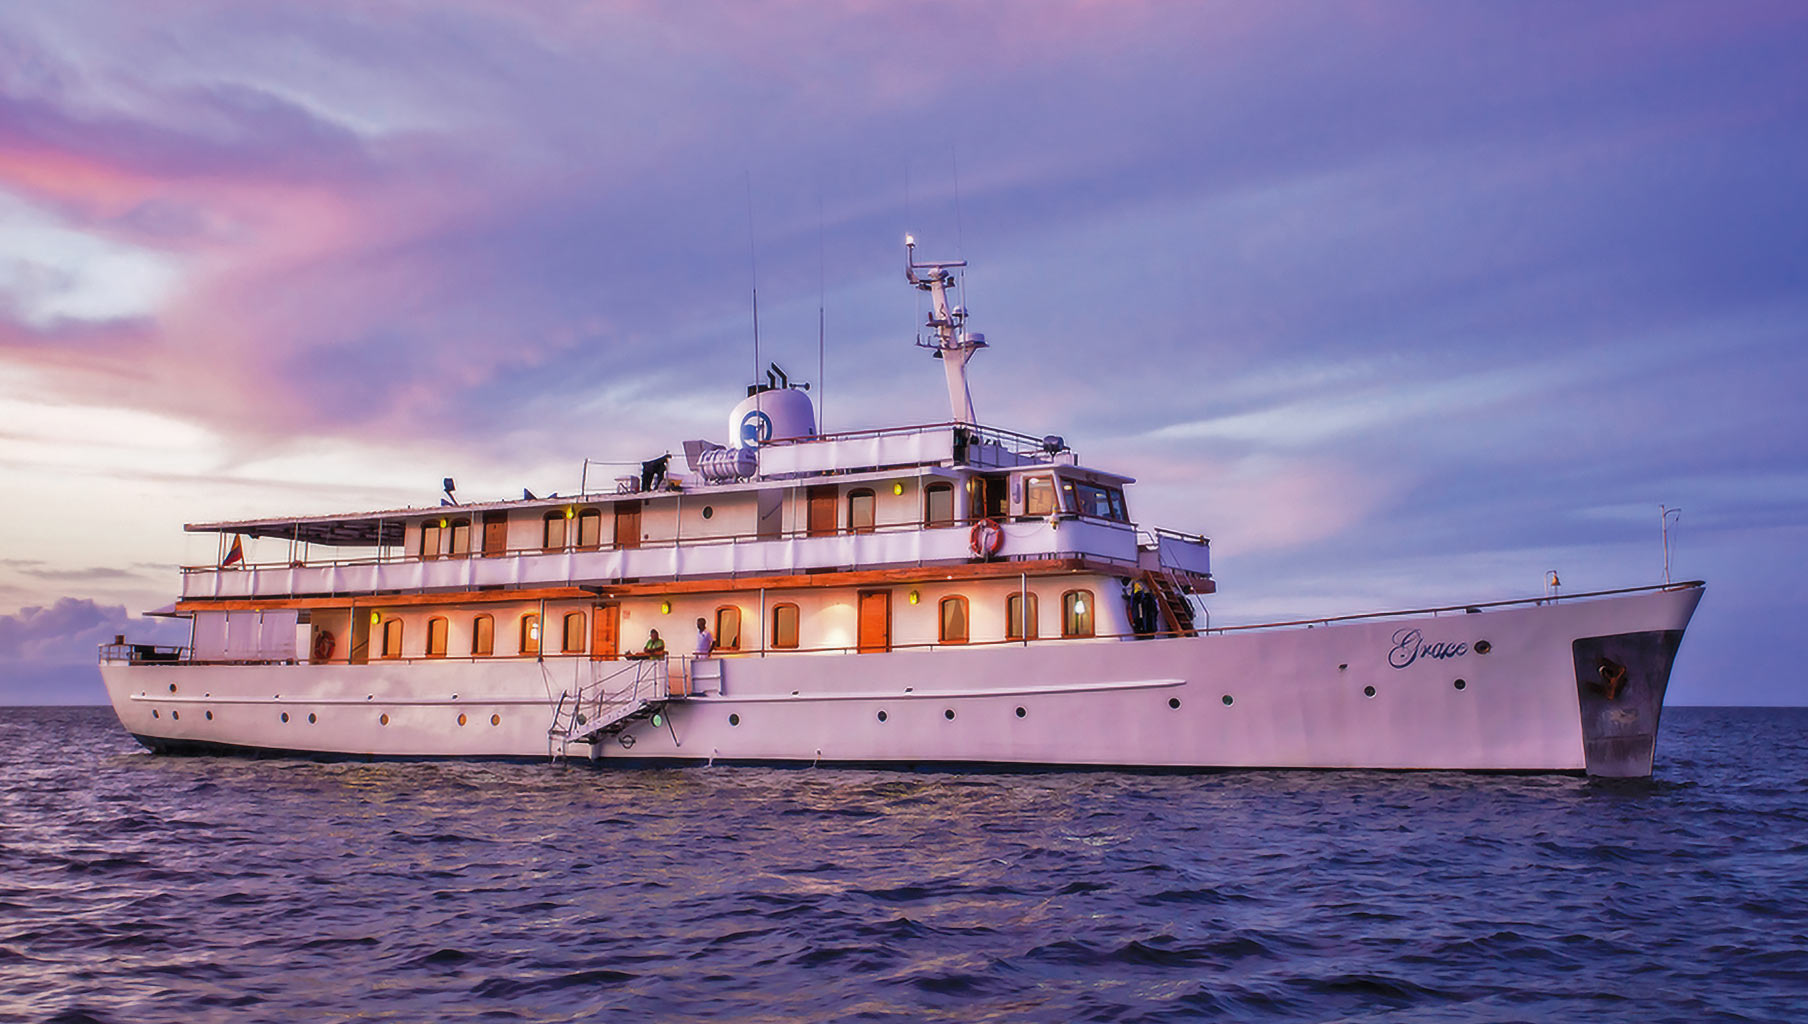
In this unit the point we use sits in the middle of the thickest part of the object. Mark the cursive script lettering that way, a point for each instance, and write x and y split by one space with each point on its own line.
1410 646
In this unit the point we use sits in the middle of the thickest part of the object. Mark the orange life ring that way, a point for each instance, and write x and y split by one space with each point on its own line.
987 538
323 645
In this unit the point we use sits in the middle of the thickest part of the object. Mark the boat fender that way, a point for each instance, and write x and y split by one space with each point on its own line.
987 538
323 645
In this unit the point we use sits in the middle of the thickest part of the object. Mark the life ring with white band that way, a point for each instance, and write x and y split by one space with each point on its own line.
987 538
323 645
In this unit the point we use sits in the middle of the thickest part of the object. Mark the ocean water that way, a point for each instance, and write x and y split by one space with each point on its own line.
142 888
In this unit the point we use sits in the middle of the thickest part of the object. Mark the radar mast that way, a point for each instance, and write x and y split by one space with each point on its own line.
949 339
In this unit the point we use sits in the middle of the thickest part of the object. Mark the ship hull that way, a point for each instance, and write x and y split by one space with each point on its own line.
1561 686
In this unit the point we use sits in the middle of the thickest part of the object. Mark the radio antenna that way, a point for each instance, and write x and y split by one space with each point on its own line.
753 276
822 289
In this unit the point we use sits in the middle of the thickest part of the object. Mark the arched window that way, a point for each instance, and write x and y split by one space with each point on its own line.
432 538
862 510
1013 617
1076 613
553 538
530 633
436 637
938 505
728 628
784 626
954 620
461 538
483 635
392 638
574 633
590 529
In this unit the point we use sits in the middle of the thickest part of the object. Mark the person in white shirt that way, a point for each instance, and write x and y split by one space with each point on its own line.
705 641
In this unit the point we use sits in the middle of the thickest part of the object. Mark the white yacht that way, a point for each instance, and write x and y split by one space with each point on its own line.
943 594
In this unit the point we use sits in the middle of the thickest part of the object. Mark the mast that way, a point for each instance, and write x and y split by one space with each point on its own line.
949 340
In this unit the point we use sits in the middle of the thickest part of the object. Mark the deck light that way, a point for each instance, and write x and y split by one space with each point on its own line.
897 488
443 524
665 607
569 512
376 617
915 597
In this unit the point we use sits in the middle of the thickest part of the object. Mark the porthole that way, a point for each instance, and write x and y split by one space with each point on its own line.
1174 702
1460 684
708 511
1021 712
1368 691
1228 700
948 714
382 719
285 717
1483 647
210 716
172 687
881 716
155 714
495 719
734 719
176 715
461 720
311 718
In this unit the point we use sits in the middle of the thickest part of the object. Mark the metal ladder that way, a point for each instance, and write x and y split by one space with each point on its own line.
608 704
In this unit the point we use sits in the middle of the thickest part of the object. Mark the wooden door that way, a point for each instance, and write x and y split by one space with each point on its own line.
605 632
359 651
822 510
627 524
875 621
495 534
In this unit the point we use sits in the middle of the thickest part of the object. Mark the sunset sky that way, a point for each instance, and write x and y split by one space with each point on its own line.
1401 303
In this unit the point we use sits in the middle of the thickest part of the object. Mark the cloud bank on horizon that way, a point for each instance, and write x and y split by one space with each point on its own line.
1400 302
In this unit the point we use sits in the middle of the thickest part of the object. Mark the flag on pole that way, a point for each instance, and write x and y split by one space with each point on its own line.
235 554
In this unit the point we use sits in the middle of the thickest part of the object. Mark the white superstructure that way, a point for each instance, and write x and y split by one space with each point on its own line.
935 594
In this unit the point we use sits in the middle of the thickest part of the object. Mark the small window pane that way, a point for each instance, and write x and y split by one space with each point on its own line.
555 531
392 638
574 633
436 638
861 511
784 626
728 628
1076 613
461 537
530 634
939 505
483 635
954 620
430 539
1013 618
590 528
1039 496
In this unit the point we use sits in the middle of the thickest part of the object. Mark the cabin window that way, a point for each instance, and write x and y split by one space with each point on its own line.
436 637
530 634
1101 502
432 537
483 635
574 633
784 626
1039 496
938 505
728 628
954 620
392 638
1076 613
590 529
461 538
1013 617
861 510
554 536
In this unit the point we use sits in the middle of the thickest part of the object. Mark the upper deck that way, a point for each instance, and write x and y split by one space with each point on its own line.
856 500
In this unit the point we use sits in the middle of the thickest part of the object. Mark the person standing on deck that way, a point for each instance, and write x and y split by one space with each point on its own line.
705 641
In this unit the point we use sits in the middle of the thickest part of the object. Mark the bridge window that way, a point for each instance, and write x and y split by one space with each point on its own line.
862 509
554 534
530 633
590 529
1013 617
1101 502
784 626
436 637
728 628
938 505
461 538
392 638
1038 496
483 635
954 620
1076 613
574 633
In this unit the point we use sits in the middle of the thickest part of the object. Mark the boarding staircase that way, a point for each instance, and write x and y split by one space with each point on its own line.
620 695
